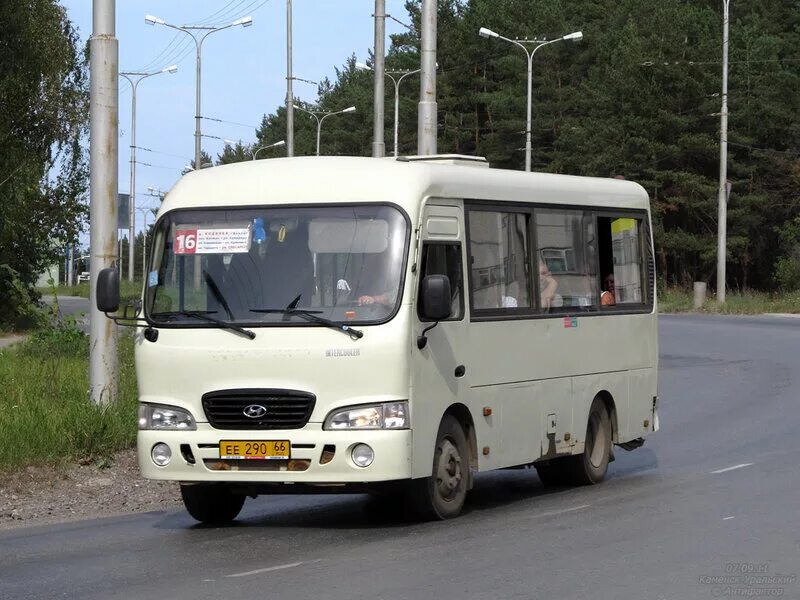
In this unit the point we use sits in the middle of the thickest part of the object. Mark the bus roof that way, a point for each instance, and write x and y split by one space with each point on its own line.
333 179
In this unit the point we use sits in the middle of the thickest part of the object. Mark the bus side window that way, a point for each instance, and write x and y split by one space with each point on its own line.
621 265
566 251
445 259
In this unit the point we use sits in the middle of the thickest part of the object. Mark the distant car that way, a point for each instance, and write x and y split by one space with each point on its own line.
84 276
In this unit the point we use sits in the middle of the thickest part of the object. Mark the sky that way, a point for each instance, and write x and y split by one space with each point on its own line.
243 71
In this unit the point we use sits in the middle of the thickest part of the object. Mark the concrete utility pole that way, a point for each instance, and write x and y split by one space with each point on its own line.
427 126
134 78
722 201
289 79
378 146
103 181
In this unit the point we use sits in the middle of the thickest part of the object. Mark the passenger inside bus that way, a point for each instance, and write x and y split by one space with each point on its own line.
548 286
607 297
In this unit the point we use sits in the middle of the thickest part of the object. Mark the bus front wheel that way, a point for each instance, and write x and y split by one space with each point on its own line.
441 496
590 467
211 504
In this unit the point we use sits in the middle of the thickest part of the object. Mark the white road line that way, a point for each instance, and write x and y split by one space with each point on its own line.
561 512
275 568
726 469
727 518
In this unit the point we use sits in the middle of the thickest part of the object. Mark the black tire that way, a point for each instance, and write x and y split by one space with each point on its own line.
211 504
441 496
591 466
552 473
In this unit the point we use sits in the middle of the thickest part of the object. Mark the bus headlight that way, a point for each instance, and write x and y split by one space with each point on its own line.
388 415
160 416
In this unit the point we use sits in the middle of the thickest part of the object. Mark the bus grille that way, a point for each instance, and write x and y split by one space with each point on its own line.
282 409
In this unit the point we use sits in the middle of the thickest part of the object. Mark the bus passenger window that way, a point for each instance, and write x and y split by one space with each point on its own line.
566 254
499 260
620 260
445 259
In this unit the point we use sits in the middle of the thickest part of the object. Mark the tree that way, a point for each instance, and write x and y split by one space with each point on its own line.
43 119
638 98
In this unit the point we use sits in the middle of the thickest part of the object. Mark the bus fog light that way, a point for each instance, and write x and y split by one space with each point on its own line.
161 454
363 455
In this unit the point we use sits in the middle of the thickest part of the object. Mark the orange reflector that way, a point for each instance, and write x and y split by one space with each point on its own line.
487 411
350 315
486 450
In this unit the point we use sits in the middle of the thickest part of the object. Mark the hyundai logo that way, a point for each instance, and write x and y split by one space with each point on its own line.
254 411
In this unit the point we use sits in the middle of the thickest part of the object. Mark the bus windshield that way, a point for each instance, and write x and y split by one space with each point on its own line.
276 265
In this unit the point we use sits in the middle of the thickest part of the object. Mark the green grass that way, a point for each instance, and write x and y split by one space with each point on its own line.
127 290
674 300
46 417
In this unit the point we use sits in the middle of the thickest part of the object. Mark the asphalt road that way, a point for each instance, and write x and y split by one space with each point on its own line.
715 494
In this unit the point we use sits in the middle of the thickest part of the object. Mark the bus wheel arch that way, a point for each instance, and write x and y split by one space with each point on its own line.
461 413
591 466
608 401
441 495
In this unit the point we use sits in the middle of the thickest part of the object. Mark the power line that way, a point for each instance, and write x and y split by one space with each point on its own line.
230 122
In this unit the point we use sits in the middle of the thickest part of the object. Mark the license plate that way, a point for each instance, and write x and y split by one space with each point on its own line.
255 449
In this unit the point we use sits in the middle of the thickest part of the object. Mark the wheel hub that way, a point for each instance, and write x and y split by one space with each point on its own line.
448 476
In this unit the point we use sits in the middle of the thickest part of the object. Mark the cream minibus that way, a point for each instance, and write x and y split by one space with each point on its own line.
348 324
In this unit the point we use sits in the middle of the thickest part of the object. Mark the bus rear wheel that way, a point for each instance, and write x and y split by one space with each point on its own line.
211 504
441 496
591 466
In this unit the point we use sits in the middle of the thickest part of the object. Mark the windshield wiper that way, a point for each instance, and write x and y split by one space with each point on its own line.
203 316
212 285
311 315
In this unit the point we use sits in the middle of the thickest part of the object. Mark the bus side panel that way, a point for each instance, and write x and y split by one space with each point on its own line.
643 390
519 404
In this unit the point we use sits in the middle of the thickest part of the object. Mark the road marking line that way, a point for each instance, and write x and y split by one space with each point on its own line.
562 511
275 568
726 469
727 518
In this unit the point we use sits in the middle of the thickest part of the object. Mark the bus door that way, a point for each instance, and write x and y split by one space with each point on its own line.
439 374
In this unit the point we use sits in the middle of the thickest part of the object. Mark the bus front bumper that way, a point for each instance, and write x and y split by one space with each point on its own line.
317 456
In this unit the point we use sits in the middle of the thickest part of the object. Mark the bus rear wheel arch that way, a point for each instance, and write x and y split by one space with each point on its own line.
590 466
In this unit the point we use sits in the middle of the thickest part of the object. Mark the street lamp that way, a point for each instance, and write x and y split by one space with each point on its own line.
134 77
275 145
203 31
576 36
325 115
396 80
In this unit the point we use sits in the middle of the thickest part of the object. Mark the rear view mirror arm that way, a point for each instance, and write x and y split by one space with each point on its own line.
422 340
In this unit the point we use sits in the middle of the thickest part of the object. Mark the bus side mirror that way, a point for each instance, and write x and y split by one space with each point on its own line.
108 290
435 298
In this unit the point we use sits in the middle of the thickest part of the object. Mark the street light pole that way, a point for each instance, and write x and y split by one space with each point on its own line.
198 38
488 33
289 80
325 115
103 181
378 145
145 212
134 78
275 145
722 199
396 81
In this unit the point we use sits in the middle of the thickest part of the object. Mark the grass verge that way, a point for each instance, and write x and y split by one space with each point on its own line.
675 300
128 290
45 413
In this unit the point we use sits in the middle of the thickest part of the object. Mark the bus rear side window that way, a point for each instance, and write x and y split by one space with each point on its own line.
620 249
